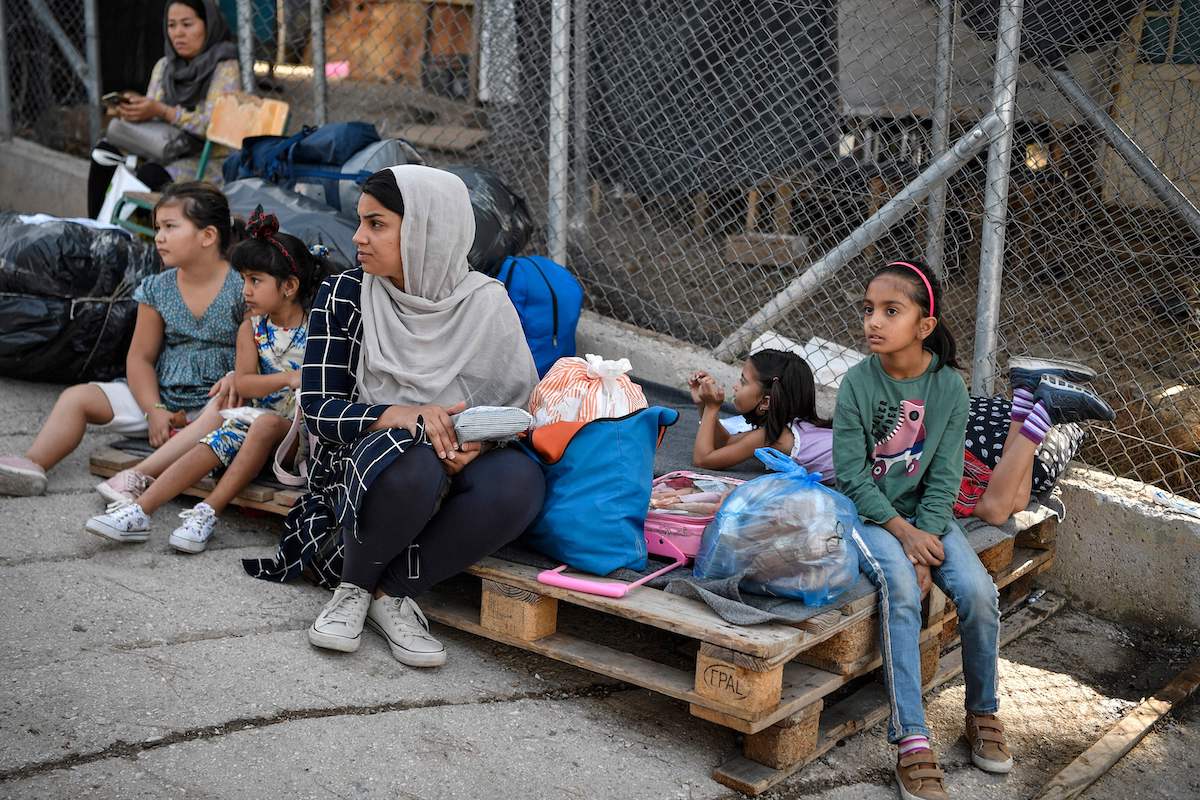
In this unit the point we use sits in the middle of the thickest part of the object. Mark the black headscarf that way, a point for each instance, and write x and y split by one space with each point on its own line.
185 83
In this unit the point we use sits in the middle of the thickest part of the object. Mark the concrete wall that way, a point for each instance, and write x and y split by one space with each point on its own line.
1125 556
37 179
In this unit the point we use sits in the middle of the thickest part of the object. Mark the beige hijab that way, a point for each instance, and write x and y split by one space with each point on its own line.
452 335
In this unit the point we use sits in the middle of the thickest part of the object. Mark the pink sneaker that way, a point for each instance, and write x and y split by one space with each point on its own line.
21 477
124 487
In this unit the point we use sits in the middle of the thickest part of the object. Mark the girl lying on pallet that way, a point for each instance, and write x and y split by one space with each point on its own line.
181 352
778 397
280 277
396 348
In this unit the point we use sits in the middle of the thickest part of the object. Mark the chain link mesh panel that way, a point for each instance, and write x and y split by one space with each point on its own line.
48 99
719 149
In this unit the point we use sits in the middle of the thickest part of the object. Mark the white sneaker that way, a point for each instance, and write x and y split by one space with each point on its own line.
401 622
197 528
124 487
340 623
123 522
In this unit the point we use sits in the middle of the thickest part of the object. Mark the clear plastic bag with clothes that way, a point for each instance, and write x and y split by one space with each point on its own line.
784 534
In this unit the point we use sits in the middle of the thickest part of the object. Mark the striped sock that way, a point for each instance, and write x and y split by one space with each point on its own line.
1022 404
915 742
1037 424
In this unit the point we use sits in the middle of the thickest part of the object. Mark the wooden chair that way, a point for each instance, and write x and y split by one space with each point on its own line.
235 117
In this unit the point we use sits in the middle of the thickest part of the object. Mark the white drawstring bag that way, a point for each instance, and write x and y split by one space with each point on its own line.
581 390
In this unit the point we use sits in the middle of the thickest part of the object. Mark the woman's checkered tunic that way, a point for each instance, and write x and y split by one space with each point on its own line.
347 458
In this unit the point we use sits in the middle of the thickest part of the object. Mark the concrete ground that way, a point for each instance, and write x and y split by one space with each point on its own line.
130 671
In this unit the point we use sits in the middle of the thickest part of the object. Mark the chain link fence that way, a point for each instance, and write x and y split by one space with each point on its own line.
700 155
48 92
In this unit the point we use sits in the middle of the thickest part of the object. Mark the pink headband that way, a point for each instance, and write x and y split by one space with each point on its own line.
921 275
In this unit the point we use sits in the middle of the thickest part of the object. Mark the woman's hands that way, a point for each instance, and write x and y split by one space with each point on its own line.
457 462
139 108
439 428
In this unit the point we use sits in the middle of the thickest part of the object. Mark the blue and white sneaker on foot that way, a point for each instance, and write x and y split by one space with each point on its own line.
1070 402
123 522
1024 372
197 528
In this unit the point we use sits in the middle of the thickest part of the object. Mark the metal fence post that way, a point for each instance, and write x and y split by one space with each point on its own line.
995 201
316 15
6 123
560 92
870 230
1127 148
579 133
91 28
935 236
245 41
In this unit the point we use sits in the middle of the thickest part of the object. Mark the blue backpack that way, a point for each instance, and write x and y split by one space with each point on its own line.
548 299
598 477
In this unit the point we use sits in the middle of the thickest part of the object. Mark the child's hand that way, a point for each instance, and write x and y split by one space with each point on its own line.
924 578
694 381
294 380
923 549
711 393
225 390
158 426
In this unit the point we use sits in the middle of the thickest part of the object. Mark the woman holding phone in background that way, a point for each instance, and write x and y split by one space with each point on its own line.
200 65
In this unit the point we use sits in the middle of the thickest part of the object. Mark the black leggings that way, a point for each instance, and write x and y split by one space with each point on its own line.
99 176
405 544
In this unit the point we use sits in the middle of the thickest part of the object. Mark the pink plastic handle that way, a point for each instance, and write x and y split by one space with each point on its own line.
555 577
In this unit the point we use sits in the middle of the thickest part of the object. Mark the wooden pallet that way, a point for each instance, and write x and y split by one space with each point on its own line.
108 461
767 682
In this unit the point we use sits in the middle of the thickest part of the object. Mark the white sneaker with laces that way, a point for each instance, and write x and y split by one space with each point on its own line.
123 522
401 621
197 528
124 487
340 623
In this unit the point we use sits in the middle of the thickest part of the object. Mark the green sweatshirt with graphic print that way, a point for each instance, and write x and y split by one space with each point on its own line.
898 445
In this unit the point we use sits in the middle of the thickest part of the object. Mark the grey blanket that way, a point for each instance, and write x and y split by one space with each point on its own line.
725 597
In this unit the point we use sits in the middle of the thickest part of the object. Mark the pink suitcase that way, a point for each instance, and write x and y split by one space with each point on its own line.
685 529
675 535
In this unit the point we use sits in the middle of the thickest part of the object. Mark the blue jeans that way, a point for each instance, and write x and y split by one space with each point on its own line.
965 581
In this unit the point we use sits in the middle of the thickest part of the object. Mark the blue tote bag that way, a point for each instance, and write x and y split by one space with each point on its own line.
598 477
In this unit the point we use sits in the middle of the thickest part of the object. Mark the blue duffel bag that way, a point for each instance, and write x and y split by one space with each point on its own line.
598 477
312 154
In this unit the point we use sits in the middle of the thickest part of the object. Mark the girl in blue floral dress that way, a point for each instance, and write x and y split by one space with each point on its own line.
280 278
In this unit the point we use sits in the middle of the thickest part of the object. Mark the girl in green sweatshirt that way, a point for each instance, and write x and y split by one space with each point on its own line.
898 433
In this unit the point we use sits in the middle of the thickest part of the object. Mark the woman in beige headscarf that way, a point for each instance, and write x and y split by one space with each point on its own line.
395 348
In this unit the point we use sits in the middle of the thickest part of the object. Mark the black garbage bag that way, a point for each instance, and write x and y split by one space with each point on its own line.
502 222
66 299
309 220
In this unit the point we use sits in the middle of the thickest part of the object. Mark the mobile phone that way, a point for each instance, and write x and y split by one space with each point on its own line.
113 99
